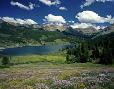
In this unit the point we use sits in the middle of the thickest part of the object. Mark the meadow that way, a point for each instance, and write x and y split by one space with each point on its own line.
52 72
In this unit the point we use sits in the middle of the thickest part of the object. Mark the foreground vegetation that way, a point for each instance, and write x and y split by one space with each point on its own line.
51 72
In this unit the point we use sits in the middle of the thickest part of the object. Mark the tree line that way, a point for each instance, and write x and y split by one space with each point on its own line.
99 50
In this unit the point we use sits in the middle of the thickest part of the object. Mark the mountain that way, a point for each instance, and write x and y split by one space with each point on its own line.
80 33
18 25
87 31
55 26
13 35
66 29
105 31
36 34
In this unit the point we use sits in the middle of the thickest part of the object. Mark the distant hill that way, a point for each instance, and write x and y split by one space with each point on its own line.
22 35
19 35
104 31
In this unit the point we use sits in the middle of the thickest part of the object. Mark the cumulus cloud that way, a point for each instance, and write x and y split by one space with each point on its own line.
62 8
50 2
30 7
86 25
92 17
18 21
89 2
53 18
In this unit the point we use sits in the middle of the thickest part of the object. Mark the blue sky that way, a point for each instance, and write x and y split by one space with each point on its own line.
76 12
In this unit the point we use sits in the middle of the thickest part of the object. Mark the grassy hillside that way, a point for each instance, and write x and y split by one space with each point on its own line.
11 35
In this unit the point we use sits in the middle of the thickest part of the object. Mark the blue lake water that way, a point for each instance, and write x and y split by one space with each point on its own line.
27 50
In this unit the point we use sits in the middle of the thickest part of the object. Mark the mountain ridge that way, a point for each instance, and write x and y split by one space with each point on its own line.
58 27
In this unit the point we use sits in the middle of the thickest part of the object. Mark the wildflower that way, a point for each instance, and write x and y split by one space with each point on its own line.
61 84
41 86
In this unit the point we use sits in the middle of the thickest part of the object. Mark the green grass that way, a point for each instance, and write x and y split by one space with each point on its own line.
58 59
37 58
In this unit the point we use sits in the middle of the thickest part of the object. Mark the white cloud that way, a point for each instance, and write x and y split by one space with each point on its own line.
92 17
53 18
50 2
89 2
86 25
71 21
110 19
30 7
62 8
89 17
18 21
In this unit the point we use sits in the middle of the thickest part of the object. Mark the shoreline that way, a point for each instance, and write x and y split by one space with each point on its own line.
2 48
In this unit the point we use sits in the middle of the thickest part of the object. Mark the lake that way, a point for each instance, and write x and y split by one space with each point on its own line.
27 50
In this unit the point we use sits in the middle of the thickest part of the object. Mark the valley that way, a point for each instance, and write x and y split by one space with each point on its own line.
32 57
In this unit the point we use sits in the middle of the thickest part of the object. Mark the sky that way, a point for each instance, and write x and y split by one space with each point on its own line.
78 13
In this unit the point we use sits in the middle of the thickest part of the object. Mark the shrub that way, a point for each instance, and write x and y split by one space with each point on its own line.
5 61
